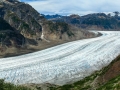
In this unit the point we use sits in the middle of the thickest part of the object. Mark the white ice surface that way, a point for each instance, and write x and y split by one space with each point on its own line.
63 63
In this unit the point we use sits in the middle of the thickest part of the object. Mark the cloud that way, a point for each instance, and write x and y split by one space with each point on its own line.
81 7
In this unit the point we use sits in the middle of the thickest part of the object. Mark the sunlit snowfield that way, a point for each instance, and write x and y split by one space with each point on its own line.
63 63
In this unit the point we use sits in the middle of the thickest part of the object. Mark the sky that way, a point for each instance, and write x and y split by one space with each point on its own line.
67 7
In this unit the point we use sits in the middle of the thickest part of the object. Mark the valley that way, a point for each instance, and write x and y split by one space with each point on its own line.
62 64
39 51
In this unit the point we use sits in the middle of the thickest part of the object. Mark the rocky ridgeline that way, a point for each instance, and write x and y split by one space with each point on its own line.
95 21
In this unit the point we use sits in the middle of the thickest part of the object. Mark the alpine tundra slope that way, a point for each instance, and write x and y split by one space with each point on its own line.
64 63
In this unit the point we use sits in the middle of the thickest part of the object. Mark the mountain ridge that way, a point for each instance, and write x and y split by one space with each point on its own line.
95 21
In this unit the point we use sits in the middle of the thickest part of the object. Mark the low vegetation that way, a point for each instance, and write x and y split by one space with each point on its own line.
113 84
9 86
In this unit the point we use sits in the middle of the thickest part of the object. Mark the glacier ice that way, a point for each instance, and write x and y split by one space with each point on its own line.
64 63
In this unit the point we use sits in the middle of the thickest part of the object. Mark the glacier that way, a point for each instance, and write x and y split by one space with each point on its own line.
63 63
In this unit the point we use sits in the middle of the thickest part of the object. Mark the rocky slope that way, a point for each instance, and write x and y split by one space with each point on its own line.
96 21
38 33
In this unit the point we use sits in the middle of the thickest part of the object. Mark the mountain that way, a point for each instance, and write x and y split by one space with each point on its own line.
28 31
96 21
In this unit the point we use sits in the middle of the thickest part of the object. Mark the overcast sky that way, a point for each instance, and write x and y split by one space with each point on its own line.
81 7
